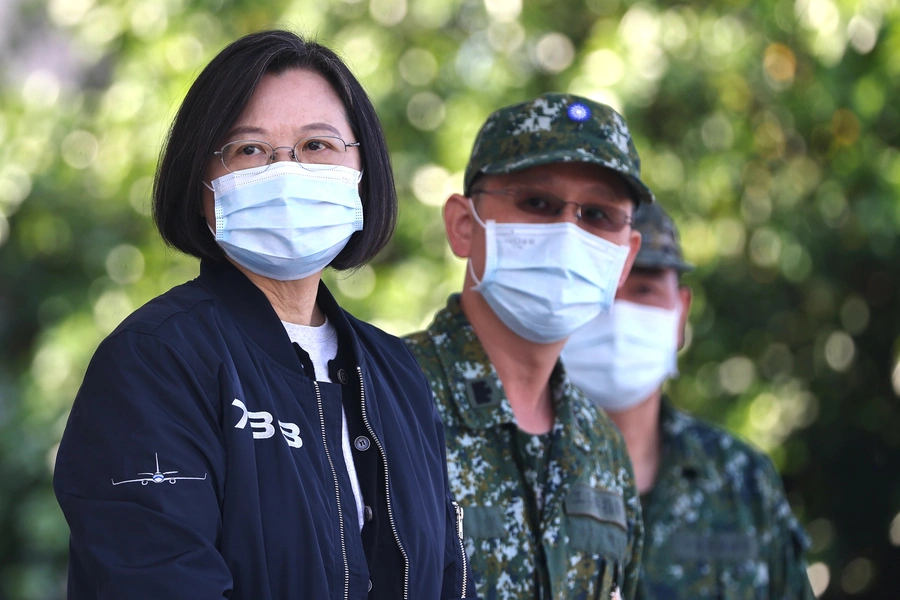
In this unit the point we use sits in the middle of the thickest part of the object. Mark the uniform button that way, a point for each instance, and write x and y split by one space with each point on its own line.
342 376
362 443
370 586
367 513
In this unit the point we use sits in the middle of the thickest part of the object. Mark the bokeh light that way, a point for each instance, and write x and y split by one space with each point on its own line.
819 578
857 576
894 531
554 52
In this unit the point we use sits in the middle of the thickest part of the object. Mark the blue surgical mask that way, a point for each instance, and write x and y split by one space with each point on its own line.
544 281
287 221
621 358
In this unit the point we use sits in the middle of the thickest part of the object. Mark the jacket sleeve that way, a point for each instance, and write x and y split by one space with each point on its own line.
459 582
137 476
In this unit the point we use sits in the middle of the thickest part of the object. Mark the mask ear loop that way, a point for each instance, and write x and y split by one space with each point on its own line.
469 266
673 368
219 222
475 214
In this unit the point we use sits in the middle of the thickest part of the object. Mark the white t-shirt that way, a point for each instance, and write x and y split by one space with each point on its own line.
321 344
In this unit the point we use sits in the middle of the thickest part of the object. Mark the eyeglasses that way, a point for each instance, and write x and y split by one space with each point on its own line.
545 207
250 154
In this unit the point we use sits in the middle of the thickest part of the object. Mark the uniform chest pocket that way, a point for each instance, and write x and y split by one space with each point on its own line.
484 522
723 546
719 565
587 535
709 580
597 522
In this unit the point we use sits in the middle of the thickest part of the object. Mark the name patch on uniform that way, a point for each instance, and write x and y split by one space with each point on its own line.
714 546
483 522
603 505
482 393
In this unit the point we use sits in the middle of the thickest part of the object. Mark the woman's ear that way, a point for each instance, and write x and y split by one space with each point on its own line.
459 224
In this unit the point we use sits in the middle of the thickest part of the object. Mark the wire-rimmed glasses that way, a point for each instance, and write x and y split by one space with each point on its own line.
542 206
250 154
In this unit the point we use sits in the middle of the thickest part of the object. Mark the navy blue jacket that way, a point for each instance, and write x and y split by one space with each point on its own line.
203 461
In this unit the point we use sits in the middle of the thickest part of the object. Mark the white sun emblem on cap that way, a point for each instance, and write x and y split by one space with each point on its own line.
578 112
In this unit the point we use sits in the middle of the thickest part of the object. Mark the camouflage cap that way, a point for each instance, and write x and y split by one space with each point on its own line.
555 128
660 248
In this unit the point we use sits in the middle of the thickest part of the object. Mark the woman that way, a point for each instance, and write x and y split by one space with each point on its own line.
241 436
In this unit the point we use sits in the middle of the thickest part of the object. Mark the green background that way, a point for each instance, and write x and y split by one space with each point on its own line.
769 129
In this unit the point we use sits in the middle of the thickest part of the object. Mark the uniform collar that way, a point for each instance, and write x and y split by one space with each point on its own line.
476 390
257 317
682 452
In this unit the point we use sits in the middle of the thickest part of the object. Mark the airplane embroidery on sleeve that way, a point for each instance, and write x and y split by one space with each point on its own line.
157 477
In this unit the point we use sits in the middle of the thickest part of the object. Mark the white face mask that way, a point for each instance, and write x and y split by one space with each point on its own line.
287 221
545 281
620 358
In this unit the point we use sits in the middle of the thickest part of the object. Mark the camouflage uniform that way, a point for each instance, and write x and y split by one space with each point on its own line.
717 522
546 517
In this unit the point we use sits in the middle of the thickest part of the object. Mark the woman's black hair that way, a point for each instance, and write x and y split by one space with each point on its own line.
213 104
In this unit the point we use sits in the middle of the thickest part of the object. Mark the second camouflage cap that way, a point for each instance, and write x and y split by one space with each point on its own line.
660 247
555 128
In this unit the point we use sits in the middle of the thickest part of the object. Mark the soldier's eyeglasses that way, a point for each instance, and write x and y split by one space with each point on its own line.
545 207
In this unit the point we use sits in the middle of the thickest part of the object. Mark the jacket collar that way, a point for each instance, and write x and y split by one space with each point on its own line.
257 318
682 451
475 388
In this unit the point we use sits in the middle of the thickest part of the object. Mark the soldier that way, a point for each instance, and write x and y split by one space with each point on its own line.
551 508
717 522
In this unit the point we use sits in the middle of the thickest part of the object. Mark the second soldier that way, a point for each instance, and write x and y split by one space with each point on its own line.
551 507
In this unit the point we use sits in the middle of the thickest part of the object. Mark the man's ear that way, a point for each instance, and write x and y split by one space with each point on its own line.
459 224
685 294
634 244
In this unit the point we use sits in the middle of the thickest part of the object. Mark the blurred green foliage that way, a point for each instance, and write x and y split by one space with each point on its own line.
768 128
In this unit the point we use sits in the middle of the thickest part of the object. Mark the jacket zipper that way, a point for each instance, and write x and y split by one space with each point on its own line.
387 484
462 547
616 591
337 493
